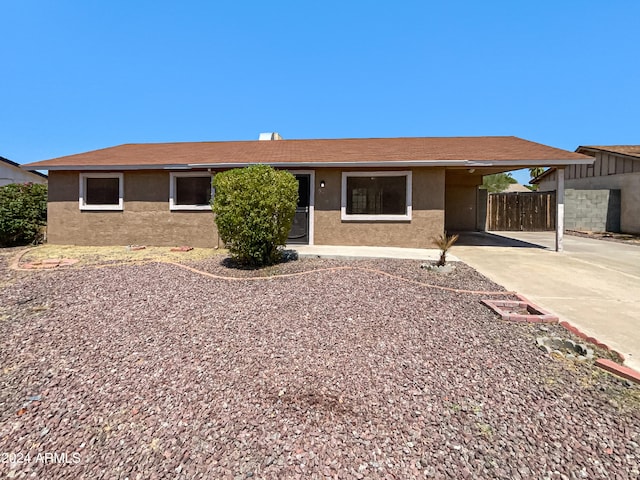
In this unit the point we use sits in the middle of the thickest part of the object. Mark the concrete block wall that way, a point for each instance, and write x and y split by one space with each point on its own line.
592 210
630 203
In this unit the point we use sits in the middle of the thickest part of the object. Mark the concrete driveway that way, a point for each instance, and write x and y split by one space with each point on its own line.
593 284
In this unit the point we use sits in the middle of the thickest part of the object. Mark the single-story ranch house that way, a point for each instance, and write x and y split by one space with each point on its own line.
369 191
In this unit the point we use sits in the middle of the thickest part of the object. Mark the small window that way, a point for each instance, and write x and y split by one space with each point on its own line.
101 191
190 191
383 196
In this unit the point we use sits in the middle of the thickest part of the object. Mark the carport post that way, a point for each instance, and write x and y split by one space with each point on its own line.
559 208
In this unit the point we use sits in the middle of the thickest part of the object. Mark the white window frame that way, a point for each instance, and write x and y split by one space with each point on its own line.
173 190
83 191
376 218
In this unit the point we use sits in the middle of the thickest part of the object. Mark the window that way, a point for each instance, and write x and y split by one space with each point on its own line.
190 191
382 196
101 191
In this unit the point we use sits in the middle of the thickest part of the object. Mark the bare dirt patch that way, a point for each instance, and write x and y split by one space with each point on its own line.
117 254
153 371
608 236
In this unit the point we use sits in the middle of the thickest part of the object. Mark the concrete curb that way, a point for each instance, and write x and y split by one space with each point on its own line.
604 363
543 316
619 370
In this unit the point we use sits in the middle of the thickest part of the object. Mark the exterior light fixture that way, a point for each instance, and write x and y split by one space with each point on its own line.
322 184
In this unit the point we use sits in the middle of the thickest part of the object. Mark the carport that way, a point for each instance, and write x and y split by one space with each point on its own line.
465 203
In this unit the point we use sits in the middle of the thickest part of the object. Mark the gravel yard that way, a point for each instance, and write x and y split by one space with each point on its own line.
152 371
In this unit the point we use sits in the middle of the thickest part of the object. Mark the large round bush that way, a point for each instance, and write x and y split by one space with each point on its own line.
254 208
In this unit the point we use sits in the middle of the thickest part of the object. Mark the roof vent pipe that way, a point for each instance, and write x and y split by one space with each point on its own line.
270 136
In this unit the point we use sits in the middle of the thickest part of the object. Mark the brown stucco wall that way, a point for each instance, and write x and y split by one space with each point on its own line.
145 220
427 218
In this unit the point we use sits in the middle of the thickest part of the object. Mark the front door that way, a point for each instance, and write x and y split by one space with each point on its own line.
299 233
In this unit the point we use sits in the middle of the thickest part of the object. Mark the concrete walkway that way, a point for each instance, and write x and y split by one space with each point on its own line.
593 284
345 252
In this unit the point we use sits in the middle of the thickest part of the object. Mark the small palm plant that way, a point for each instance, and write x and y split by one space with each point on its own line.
444 242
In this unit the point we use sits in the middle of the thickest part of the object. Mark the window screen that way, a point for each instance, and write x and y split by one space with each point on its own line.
193 190
377 195
102 191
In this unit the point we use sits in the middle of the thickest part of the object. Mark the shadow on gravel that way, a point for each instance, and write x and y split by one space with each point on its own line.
230 262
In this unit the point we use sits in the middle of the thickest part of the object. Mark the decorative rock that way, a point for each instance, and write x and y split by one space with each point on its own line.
564 347
180 347
68 261
184 248
432 267
49 263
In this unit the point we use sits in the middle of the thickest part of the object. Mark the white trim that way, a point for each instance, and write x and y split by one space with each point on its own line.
559 209
376 218
83 188
312 200
172 190
408 163
364 163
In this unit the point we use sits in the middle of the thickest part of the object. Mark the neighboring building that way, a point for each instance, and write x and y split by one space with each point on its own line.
11 172
380 191
604 196
515 188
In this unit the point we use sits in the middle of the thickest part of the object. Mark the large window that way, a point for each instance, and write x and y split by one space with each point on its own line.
101 191
190 191
382 196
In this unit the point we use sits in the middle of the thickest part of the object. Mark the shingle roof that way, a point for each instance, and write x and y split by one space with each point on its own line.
629 150
464 151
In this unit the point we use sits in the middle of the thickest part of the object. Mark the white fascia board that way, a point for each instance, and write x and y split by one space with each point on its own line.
408 163
364 164
93 168
527 163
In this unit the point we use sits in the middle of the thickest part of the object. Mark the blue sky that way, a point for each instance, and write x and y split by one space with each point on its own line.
81 75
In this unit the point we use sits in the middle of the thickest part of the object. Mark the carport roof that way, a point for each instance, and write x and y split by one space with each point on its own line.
468 152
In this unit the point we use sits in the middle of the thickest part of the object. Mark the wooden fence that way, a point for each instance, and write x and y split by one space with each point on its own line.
521 211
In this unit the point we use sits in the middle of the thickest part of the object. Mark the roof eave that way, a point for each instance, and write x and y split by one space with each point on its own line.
542 176
357 164
581 149
532 163
108 167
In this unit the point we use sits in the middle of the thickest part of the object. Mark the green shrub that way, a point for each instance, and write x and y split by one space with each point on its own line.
23 213
254 209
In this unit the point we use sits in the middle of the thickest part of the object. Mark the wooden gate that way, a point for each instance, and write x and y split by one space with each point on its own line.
521 211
